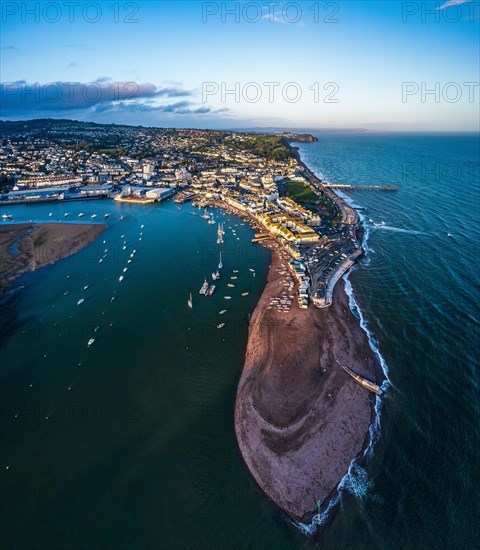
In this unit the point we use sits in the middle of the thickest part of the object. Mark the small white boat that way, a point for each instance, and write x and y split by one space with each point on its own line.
50 215
66 215
112 298
252 270
93 216
244 293
129 262
131 255
91 341
142 226
235 270
120 279
122 236
190 301
100 260
86 287
221 325
449 235
125 269
124 248
233 278
214 276
122 217
222 312
230 285
80 215
106 215
97 329
227 297
105 251
66 293
80 301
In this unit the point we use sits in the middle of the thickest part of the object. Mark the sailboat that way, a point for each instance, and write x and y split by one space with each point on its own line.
220 265
219 234
190 302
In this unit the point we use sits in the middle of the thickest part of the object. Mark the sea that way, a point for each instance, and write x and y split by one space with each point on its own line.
130 443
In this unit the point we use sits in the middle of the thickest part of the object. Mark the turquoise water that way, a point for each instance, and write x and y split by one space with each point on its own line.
139 449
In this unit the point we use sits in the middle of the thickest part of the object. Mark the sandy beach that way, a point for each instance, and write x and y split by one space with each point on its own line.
27 247
299 418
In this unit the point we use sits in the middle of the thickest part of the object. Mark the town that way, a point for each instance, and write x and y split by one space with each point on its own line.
259 177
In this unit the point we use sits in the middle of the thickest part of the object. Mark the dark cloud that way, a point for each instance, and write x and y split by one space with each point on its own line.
25 97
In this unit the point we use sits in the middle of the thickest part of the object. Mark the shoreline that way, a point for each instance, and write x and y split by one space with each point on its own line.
300 419
30 246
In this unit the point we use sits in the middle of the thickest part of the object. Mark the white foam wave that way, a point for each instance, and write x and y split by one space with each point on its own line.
397 229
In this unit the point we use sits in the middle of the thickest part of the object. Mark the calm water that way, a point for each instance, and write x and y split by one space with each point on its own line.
130 443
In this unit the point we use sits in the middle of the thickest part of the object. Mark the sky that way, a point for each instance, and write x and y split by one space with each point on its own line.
379 65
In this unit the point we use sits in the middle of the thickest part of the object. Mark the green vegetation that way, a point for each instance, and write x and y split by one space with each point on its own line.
269 147
300 192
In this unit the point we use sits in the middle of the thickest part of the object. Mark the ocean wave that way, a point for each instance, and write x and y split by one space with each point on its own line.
397 229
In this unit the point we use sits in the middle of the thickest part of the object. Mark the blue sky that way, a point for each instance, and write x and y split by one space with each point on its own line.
344 64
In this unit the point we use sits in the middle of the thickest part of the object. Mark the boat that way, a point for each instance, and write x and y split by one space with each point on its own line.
227 297
122 217
129 262
211 290
244 293
364 382
234 277
205 215
93 216
66 215
254 273
211 221
68 277
235 270
230 285
97 328
190 301
214 276
133 199
86 287
142 226
124 247
66 293
50 215
80 301
220 265
100 260
113 298
80 215
125 269
217 275
91 341
252 270
120 279
203 290
221 325
222 312
7 216
106 216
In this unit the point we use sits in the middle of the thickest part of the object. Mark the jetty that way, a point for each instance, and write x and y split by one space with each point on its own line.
361 187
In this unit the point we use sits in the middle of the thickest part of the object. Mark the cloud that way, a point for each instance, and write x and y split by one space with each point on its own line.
65 96
102 97
451 3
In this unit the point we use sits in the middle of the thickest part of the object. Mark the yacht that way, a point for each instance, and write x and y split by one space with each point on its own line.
221 325
80 301
120 279
86 287
244 293
91 341
211 290
222 312
214 276
227 297
190 301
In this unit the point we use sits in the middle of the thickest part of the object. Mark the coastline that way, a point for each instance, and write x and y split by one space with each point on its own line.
300 419
30 246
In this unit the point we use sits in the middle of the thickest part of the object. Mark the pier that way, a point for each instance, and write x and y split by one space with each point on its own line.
361 187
